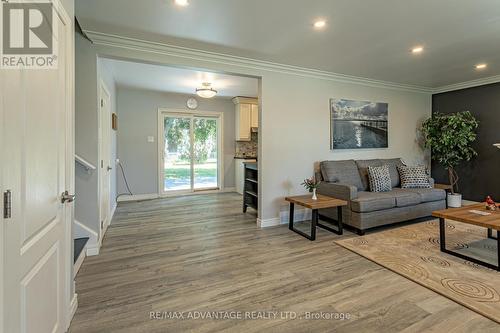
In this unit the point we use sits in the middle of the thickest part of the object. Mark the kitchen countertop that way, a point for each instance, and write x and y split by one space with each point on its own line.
245 157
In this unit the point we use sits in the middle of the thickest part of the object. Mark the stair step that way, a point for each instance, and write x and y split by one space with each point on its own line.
79 245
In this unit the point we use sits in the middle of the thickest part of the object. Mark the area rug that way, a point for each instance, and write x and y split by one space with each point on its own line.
413 252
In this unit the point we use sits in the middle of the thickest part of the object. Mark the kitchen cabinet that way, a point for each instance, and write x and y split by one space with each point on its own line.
251 188
246 117
240 173
254 116
243 122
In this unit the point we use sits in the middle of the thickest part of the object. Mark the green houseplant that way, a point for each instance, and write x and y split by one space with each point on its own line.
450 138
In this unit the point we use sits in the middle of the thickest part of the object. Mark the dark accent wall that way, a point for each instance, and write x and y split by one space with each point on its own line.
481 176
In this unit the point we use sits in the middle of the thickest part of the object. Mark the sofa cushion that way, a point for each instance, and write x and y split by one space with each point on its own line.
372 201
405 198
345 172
380 178
429 194
363 171
393 163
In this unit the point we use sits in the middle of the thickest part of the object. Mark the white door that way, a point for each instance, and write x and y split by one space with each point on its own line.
105 154
36 109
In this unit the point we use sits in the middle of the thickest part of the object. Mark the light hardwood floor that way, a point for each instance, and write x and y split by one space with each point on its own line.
200 253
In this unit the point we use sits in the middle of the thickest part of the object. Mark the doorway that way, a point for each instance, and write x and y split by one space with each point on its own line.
105 158
190 152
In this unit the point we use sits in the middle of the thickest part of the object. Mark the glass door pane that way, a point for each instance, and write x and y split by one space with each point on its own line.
177 154
205 153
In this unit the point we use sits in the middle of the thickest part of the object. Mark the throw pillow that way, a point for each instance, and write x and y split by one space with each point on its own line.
414 177
379 178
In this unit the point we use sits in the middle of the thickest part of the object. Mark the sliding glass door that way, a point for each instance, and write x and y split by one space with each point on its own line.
205 157
177 153
190 152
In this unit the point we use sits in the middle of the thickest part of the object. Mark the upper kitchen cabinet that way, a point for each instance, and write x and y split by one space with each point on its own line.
246 116
255 116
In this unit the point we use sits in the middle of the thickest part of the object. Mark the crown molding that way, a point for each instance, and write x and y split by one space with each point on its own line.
105 39
467 84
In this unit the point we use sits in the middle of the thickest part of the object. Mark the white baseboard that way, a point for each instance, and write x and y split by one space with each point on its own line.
138 197
298 216
150 196
80 231
113 210
266 223
93 249
73 306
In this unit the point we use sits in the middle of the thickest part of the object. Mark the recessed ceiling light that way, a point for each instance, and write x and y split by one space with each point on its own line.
320 24
182 3
417 49
481 66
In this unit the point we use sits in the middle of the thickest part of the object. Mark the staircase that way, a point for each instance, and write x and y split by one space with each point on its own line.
79 253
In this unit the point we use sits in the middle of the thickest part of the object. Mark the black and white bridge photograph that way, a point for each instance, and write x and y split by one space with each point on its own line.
358 124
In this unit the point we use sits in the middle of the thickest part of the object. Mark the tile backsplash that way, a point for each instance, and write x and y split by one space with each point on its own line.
247 148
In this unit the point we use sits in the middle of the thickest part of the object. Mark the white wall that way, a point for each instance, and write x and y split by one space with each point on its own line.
86 134
89 73
294 129
139 119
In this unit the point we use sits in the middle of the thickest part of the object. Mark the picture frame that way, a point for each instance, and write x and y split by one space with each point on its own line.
358 124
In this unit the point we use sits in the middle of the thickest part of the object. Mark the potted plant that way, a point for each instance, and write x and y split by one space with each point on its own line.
311 184
450 138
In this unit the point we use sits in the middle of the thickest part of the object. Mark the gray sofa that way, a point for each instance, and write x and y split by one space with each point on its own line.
348 180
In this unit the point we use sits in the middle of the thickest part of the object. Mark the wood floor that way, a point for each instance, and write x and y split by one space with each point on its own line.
200 253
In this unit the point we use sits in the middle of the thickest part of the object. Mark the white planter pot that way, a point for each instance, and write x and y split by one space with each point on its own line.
454 200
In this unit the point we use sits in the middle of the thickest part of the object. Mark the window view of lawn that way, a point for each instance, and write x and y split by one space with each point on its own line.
179 176
178 153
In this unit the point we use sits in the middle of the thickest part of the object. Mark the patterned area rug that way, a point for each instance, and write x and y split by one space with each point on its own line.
413 252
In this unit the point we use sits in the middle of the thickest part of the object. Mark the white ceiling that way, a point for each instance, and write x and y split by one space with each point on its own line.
178 80
363 38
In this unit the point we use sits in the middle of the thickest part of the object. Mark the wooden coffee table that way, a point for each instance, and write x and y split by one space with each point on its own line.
322 202
464 215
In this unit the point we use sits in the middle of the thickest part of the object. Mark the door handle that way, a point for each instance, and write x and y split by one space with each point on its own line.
66 197
109 168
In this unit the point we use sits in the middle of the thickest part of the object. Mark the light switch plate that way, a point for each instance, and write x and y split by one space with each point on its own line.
151 139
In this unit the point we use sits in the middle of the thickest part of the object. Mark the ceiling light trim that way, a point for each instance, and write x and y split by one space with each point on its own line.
117 41
206 91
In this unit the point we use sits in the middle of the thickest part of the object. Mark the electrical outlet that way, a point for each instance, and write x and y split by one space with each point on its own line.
151 139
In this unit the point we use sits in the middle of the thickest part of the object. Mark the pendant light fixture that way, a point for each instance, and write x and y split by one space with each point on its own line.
206 91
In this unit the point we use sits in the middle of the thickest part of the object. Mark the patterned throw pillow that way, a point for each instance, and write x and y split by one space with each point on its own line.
379 178
414 177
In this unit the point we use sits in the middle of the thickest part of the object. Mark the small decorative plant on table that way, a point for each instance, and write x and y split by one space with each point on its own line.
311 184
450 138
